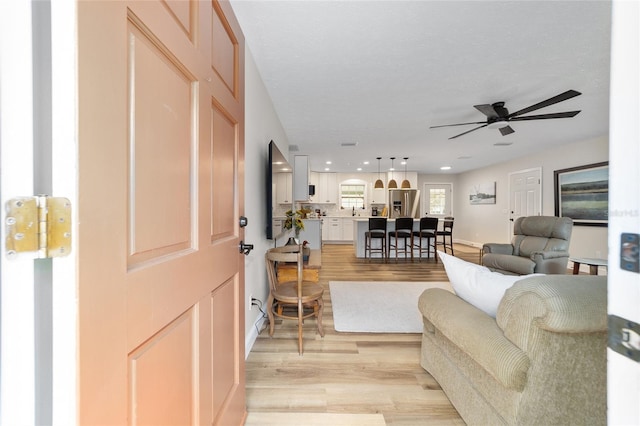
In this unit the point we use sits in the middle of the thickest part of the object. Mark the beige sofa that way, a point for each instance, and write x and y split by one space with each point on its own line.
541 361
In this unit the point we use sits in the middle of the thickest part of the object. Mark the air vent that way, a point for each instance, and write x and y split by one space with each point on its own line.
464 157
349 144
294 148
503 143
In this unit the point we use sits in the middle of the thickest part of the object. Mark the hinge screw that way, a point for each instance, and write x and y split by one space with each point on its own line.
11 220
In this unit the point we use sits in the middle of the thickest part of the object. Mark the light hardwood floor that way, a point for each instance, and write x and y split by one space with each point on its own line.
348 378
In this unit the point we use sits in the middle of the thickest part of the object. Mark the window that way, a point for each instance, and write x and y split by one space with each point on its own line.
437 198
351 196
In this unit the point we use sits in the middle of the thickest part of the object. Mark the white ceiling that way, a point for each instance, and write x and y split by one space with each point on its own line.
378 73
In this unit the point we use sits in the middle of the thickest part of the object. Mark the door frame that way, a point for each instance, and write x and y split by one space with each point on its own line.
29 392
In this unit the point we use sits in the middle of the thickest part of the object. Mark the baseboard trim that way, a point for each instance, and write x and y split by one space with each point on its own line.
468 243
251 337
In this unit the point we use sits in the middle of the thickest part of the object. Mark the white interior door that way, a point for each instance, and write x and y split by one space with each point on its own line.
437 200
525 195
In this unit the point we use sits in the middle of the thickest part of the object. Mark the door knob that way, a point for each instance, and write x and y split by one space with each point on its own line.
245 248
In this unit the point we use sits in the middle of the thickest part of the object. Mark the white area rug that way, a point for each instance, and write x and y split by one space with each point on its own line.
378 307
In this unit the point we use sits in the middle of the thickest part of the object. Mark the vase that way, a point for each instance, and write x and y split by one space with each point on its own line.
291 242
306 252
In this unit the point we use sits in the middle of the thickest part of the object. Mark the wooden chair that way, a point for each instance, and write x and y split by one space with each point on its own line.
447 231
403 232
377 231
428 230
295 300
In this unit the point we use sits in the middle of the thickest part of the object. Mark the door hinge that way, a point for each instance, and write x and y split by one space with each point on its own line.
38 225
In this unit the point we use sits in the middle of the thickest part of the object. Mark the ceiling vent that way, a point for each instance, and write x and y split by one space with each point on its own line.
345 144
294 148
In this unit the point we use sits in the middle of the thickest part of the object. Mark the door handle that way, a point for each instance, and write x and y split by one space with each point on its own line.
245 248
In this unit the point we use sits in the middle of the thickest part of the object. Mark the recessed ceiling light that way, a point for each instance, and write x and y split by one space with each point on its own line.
359 169
326 169
328 162
445 168
365 163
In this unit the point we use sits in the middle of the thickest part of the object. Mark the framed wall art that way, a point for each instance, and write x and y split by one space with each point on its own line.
582 193
483 193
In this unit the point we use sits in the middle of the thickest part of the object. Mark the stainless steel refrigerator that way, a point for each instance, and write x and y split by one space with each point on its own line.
403 202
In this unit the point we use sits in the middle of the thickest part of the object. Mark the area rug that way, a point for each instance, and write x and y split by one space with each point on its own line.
378 307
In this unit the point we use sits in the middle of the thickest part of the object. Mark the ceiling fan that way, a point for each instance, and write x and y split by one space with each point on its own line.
498 116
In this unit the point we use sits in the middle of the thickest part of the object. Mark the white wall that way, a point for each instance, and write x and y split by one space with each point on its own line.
478 224
261 125
623 374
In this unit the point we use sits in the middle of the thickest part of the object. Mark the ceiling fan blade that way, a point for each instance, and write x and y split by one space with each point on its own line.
506 130
567 114
458 124
468 131
487 110
554 100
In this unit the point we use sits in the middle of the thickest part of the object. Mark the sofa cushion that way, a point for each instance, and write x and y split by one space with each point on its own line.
577 305
477 284
486 346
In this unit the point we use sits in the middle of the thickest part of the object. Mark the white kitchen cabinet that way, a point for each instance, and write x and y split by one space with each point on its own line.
326 188
378 196
332 229
347 229
284 188
301 177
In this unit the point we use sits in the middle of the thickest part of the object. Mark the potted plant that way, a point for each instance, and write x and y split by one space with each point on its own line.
294 221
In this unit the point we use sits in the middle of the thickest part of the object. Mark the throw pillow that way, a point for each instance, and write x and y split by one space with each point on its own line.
477 284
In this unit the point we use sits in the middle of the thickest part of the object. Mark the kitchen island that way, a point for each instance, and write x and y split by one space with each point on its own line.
361 225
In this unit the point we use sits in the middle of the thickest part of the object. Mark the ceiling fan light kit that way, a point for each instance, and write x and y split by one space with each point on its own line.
498 117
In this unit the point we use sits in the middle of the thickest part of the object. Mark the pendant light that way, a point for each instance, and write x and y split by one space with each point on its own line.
392 183
405 183
379 184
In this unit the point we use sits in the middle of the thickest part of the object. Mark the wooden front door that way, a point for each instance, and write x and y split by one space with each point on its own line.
161 284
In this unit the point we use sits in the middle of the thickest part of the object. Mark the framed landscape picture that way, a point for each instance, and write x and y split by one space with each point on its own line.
483 193
582 193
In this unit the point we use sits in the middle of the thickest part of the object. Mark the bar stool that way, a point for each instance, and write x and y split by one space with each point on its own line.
377 231
403 232
447 231
428 230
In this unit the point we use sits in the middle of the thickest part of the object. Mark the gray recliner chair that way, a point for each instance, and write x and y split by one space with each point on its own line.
540 244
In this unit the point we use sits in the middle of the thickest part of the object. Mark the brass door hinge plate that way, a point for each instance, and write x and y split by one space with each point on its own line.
38 225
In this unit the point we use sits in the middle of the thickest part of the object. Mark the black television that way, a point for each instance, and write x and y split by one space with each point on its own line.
277 164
